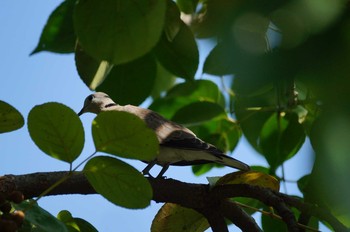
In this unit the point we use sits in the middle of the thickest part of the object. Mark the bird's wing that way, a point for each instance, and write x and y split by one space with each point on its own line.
171 134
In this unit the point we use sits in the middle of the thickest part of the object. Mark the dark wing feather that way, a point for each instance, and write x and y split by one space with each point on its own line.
183 140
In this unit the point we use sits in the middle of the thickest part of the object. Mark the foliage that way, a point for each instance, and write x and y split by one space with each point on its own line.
288 69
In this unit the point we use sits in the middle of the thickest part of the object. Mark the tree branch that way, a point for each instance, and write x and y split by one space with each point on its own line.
212 203
239 217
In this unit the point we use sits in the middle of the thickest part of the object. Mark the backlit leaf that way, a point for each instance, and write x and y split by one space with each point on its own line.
180 56
39 218
10 118
172 217
119 31
125 135
251 178
131 83
56 130
75 224
118 182
280 138
58 34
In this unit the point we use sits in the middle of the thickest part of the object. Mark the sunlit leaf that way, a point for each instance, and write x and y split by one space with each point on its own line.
10 118
39 218
118 182
125 135
172 217
56 130
58 34
119 31
251 178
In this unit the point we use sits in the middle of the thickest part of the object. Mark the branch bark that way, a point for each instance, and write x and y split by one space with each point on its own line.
212 203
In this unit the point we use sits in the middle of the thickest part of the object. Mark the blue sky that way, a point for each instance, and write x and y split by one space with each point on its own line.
27 81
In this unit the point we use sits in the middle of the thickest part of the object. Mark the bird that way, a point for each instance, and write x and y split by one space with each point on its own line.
178 145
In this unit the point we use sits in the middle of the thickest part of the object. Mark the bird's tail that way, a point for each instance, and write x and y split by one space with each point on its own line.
231 162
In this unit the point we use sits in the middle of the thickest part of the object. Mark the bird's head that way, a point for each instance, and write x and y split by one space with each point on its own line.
96 102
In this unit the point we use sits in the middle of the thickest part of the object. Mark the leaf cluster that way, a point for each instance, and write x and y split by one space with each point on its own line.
282 77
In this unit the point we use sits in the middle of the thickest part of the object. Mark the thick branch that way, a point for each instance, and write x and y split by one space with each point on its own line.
239 217
211 203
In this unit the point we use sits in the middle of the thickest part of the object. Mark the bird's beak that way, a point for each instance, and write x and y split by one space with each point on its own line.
81 112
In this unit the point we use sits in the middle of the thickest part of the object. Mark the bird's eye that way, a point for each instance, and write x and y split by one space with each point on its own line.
106 96
90 97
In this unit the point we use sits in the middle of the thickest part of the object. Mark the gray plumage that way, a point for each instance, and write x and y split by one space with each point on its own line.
178 145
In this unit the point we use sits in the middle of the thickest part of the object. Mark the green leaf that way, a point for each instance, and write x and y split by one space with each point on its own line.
180 56
272 224
164 81
172 217
39 219
91 71
10 118
219 61
329 139
58 34
198 112
199 170
173 21
131 83
222 133
56 130
75 224
87 66
125 135
281 138
186 93
252 113
187 6
118 182
119 31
